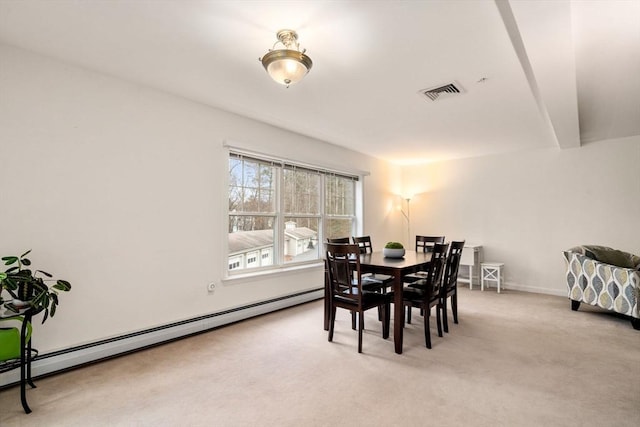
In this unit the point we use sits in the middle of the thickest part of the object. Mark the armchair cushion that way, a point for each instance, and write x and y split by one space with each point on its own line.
612 256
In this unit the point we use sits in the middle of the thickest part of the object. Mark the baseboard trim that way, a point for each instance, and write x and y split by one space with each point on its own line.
72 357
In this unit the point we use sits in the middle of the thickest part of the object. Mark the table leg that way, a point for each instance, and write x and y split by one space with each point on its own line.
398 313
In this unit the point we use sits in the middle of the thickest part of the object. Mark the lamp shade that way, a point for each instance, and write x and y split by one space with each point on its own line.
287 65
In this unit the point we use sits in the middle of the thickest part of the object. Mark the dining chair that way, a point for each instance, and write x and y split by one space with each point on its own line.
382 280
450 282
339 240
346 290
343 241
423 244
426 293
372 281
364 243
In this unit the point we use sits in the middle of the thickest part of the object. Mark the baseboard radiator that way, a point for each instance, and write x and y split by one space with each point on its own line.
49 363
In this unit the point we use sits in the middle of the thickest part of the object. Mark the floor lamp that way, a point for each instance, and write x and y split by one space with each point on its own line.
407 215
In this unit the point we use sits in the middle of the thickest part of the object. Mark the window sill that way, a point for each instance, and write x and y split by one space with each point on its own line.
282 271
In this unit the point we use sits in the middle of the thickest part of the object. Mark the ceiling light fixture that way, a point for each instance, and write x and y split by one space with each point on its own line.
286 65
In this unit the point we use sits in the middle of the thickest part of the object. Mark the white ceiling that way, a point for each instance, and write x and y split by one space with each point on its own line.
535 73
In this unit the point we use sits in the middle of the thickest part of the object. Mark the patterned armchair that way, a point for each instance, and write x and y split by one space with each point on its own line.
606 278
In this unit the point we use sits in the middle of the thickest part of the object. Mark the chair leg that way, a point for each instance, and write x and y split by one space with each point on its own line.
427 333
360 327
445 321
386 316
454 306
438 319
353 320
332 323
380 308
327 310
409 314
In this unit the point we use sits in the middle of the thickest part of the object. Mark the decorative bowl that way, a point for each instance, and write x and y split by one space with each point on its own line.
393 253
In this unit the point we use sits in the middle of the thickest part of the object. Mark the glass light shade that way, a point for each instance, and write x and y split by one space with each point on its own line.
286 66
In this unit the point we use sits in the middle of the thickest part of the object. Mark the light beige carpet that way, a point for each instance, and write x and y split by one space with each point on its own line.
515 359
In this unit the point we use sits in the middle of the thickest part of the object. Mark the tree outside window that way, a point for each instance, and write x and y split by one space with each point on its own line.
280 213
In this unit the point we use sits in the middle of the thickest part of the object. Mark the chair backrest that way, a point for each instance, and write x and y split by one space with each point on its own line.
364 242
436 269
345 277
425 243
450 278
338 240
341 240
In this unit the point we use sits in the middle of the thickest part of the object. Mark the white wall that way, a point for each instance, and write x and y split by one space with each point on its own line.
525 208
119 189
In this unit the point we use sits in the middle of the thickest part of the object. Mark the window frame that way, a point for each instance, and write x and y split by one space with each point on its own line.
277 255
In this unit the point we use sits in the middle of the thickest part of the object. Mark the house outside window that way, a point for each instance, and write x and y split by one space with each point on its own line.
280 212
234 262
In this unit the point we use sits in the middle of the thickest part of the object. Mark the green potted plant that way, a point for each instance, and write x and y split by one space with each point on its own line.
393 250
27 287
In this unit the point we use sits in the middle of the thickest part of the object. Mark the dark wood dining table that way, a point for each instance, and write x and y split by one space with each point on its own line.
376 262
412 261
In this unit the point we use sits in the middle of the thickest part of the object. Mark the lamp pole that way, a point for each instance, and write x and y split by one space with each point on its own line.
407 215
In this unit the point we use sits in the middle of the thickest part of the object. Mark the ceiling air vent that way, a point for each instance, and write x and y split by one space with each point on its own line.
444 91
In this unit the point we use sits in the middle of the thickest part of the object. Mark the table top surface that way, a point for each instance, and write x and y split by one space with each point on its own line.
410 259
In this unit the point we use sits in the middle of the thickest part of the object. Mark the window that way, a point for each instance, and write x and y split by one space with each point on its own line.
340 206
280 213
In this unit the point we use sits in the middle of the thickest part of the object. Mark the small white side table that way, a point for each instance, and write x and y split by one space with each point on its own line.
491 271
471 257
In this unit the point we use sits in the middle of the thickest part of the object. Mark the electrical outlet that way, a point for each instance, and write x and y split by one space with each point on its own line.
211 287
